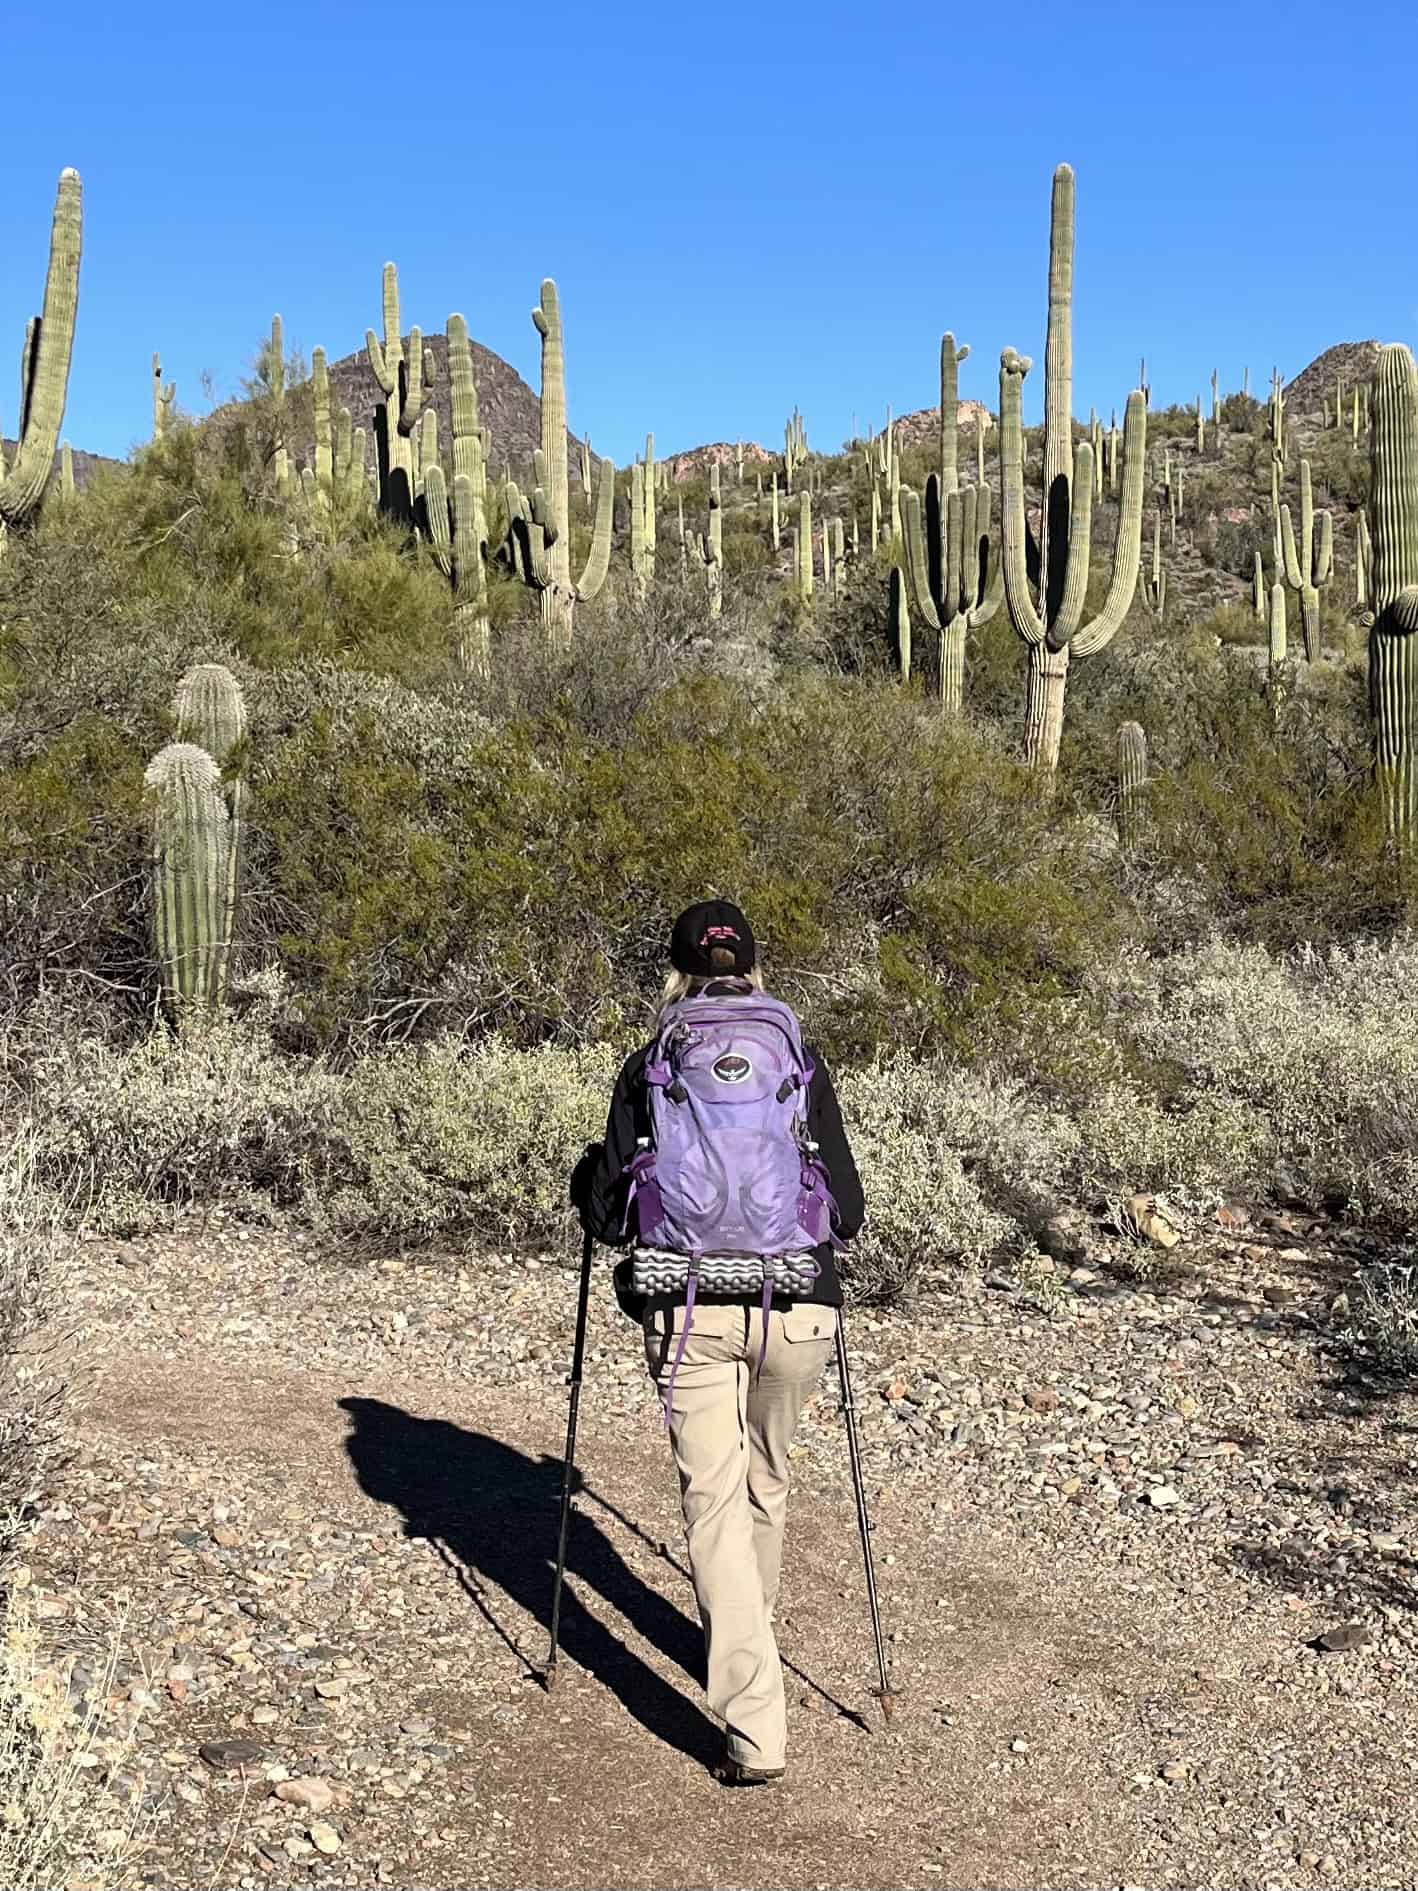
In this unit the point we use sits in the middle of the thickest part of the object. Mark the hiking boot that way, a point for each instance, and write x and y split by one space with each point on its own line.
732 1772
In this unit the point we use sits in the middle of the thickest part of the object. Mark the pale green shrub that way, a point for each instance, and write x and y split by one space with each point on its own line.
923 1210
171 1123
1195 1155
1322 1050
1384 1310
477 1141
32 1254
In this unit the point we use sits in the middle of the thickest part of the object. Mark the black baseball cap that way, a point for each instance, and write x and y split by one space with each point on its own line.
701 929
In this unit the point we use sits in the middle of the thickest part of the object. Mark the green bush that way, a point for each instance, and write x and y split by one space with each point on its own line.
478 1143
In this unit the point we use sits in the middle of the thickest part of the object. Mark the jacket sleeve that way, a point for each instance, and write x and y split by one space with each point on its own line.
824 1119
597 1190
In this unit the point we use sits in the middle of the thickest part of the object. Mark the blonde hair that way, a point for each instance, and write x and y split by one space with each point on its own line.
679 985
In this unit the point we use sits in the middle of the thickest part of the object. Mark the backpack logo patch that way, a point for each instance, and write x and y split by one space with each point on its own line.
732 1068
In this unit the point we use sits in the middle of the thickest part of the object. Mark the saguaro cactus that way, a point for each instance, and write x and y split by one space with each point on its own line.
1363 558
950 360
711 547
1050 623
899 620
1311 568
44 363
1277 418
642 516
403 383
191 834
948 566
1132 783
276 387
210 712
163 397
805 547
457 522
1155 586
542 529
1277 635
1393 627
66 473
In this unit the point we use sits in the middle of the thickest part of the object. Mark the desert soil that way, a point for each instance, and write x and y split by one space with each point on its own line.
315 1504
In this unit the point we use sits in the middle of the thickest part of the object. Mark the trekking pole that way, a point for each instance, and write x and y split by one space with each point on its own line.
884 1692
568 1472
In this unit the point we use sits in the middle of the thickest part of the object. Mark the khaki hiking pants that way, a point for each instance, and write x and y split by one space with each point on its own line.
731 1427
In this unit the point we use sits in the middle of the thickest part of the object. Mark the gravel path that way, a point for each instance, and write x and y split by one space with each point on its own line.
317 1499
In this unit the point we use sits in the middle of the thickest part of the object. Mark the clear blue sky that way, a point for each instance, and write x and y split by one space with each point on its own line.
745 206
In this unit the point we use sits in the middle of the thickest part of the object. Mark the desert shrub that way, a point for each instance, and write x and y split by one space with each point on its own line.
57 1828
165 1124
1321 1048
33 1250
475 1143
923 1209
1383 1309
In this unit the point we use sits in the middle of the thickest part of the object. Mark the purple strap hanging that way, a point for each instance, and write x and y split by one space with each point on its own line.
767 1309
691 1288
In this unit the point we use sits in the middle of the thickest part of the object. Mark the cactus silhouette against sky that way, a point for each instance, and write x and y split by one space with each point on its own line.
1049 618
44 368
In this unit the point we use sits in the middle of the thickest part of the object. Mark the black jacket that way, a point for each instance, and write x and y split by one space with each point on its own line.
598 1190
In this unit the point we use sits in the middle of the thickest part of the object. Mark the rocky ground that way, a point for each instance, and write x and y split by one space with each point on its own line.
1146 1554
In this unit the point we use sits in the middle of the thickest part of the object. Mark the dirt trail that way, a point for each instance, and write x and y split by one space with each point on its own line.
274 1524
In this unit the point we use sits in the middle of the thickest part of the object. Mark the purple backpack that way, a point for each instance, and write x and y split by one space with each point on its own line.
730 1180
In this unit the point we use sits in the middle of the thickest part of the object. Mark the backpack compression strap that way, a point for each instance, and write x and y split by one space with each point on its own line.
691 1288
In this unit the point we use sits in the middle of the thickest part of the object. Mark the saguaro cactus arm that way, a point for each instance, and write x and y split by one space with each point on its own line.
1014 538
1127 545
950 359
384 359
49 345
598 559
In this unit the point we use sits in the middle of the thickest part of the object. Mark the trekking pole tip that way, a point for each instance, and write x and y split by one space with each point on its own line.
549 1677
887 1697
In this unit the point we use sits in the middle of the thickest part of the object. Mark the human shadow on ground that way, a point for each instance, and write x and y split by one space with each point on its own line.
491 1511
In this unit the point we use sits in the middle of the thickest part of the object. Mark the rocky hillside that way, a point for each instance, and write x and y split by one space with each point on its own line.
506 405
85 464
698 460
922 427
1346 361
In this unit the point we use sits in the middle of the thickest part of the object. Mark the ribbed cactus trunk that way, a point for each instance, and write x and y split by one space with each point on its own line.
392 439
1308 567
950 359
899 621
44 376
1050 622
457 523
1277 632
210 711
1132 783
164 395
714 545
1363 558
276 385
324 433
539 532
1393 633
191 833
805 547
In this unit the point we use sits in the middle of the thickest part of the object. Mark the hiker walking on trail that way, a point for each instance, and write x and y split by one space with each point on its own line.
726 1169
